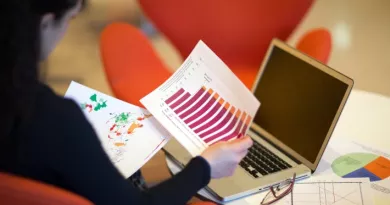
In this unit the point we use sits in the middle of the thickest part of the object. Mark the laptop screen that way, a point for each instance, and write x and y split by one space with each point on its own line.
298 102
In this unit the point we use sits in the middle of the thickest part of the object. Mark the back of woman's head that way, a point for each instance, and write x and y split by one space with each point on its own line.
20 32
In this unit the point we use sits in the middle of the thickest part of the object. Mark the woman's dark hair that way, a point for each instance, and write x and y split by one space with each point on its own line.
20 45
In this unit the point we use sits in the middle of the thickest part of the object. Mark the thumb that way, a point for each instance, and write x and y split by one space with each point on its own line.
241 144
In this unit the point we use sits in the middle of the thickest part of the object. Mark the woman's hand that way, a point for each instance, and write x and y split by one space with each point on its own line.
224 157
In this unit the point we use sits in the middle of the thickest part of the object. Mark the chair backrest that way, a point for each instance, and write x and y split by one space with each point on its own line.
239 32
16 190
316 43
131 64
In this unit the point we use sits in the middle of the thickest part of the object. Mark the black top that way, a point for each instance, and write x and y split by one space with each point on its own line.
59 146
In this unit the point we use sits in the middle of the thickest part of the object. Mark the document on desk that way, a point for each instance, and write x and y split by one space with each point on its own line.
203 102
351 159
129 134
314 191
325 191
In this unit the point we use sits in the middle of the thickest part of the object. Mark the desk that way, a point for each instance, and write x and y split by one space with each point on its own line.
365 117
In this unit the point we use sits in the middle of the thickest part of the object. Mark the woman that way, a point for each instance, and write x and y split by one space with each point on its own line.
47 138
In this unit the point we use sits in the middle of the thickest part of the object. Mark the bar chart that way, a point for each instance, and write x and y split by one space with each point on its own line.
203 102
208 115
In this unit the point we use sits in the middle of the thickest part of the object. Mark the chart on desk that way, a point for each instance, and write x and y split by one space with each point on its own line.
352 159
360 165
329 193
198 107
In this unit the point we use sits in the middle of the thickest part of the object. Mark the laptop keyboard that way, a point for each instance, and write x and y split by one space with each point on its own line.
260 161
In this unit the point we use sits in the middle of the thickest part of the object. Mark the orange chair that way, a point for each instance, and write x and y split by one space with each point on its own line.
317 43
239 32
16 190
131 65
133 68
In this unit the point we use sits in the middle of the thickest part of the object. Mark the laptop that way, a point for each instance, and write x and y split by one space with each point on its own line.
301 102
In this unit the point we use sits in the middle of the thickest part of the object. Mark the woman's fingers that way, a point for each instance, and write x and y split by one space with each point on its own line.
242 144
242 154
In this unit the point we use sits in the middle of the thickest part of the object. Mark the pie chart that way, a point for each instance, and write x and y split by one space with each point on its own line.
362 165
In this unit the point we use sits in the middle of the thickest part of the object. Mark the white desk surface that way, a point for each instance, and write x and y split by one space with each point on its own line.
366 117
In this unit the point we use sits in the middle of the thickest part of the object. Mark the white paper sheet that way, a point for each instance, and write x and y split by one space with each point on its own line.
352 159
202 102
129 134
315 190
325 191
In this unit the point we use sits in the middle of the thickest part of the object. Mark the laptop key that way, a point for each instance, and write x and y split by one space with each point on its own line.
247 169
261 170
243 164
254 173
251 163
272 170
268 169
282 166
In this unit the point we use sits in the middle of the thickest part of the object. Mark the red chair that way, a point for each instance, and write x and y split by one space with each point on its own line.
131 65
317 44
239 32
16 190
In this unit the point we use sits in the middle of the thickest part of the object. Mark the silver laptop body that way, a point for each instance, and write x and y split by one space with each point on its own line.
301 101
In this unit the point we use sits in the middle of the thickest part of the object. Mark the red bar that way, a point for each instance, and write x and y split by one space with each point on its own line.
174 96
203 110
191 101
242 122
180 101
220 125
214 120
238 129
226 130
196 106
208 116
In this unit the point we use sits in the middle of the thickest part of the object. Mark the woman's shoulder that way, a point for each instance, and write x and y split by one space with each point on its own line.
48 100
55 110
